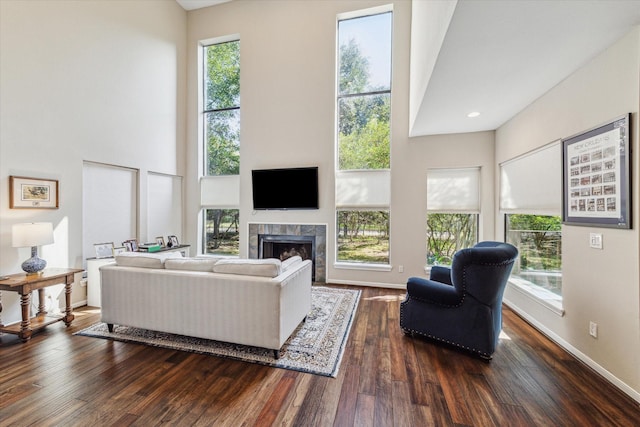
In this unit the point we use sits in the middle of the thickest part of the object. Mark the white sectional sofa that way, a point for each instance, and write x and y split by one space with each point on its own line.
244 301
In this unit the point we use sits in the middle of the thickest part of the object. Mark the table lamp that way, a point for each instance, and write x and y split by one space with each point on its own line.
32 234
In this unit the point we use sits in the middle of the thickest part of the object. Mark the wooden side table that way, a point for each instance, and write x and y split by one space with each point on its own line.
24 284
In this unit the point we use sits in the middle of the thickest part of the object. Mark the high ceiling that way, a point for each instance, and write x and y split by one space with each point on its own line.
496 57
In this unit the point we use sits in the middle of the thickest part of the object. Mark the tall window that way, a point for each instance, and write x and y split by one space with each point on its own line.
221 140
453 207
363 138
531 199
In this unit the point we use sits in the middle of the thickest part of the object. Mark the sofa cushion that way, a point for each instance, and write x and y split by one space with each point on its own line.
191 264
270 267
144 259
290 262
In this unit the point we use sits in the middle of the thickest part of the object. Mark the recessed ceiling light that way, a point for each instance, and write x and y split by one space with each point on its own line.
473 114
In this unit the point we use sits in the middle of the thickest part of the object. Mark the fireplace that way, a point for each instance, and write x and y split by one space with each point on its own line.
284 246
309 240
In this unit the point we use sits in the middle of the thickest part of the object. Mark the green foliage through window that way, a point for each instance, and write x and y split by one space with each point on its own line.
447 234
221 236
222 108
363 236
364 93
539 241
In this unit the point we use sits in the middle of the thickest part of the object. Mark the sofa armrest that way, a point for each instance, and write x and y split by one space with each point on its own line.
433 292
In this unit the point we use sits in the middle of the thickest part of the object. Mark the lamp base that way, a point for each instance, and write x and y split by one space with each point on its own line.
34 265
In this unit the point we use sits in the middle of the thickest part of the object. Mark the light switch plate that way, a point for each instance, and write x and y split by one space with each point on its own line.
595 240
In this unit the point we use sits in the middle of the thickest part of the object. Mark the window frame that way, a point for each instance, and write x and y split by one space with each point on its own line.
228 186
379 202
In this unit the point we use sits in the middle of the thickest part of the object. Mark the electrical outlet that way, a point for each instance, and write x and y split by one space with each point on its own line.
401 269
593 329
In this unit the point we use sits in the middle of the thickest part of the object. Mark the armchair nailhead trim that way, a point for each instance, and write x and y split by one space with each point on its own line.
413 331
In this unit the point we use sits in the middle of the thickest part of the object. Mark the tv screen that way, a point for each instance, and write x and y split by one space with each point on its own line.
292 188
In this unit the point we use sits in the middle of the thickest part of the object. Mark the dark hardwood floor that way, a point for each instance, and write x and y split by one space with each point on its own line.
385 379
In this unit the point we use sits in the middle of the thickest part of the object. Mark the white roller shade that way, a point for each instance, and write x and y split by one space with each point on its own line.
164 205
453 190
532 183
369 189
220 191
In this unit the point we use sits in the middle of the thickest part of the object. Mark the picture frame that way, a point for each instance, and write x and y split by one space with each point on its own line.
33 193
173 240
103 250
160 241
596 176
130 245
119 250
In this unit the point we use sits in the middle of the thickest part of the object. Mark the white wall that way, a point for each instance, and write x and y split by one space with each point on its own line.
288 61
98 80
597 285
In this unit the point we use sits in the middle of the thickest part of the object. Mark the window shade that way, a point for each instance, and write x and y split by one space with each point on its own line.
453 190
532 183
370 189
164 205
220 191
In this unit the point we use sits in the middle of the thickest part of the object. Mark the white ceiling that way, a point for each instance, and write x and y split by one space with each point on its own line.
497 56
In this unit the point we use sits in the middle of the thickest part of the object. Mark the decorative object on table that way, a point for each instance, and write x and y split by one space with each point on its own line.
104 250
34 193
596 176
32 235
149 247
461 305
131 245
160 241
316 346
173 241
119 250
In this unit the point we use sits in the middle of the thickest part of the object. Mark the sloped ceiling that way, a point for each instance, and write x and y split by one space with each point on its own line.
496 57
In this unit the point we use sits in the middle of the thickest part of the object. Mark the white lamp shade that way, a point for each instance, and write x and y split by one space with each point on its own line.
32 234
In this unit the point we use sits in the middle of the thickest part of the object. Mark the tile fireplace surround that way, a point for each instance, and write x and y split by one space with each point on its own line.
315 230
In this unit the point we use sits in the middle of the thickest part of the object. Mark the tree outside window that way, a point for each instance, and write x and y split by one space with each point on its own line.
539 241
363 140
221 116
447 234
221 231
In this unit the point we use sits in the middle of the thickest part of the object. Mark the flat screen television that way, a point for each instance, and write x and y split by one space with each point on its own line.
290 188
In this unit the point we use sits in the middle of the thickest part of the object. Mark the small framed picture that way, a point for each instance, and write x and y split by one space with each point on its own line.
119 250
160 241
134 244
127 246
33 193
104 250
173 240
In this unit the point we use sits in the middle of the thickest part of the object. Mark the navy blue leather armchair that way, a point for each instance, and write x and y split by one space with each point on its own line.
461 305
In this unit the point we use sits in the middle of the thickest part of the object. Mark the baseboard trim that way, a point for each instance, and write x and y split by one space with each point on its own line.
617 382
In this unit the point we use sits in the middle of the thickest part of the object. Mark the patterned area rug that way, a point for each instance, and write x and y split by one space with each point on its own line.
316 346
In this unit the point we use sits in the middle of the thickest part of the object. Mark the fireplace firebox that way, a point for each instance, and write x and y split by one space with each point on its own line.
283 247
